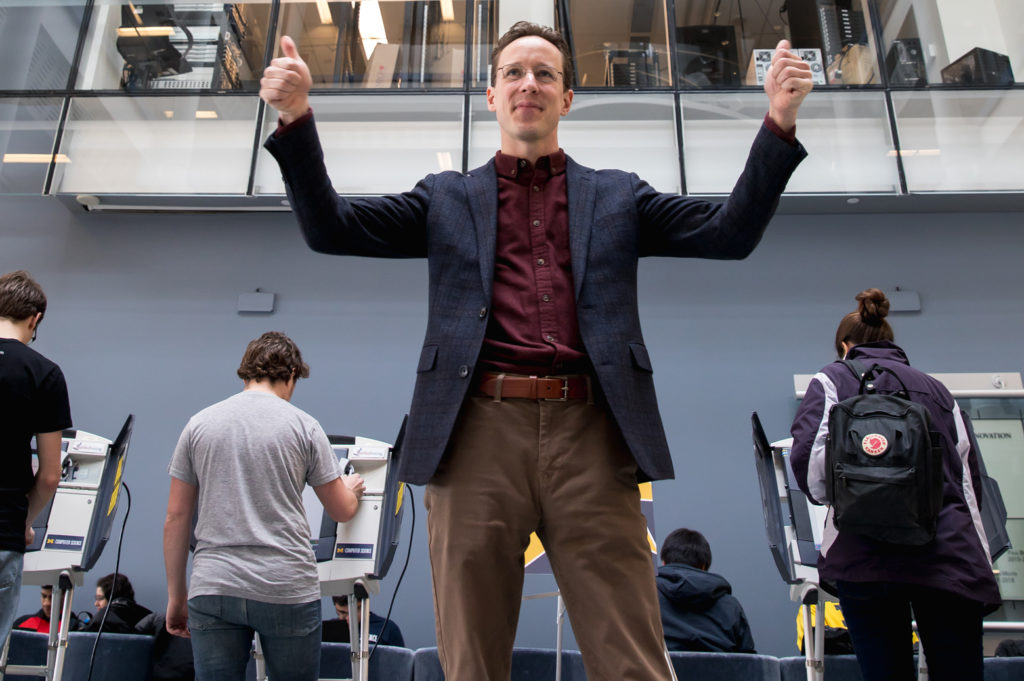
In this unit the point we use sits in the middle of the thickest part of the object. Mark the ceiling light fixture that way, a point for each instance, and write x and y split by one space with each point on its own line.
36 158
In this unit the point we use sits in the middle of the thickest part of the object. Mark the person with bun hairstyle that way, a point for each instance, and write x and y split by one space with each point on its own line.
947 585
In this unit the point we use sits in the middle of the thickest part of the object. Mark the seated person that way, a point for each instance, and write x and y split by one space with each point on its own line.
336 631
40 621
124 613
698 610
172 655
1010 647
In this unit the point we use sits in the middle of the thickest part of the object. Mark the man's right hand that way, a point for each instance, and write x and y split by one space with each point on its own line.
177 617
286 83
355 483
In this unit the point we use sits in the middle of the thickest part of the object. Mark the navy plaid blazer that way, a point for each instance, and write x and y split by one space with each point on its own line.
450 218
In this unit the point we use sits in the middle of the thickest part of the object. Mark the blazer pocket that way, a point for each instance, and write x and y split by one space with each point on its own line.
428 358
641 360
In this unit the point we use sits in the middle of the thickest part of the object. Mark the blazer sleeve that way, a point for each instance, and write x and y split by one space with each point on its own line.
674 225
392 226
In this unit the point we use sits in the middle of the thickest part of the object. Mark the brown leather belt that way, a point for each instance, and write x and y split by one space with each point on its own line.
500 386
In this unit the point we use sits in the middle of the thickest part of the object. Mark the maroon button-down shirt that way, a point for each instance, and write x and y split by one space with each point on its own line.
532 327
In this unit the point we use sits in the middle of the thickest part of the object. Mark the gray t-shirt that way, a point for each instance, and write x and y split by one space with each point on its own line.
251 455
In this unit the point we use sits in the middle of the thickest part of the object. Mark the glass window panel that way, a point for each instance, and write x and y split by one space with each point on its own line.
485 35
39 38
377 144
729 44
157 145
144 46
846 134
953 42
379 43
625 131
619 44
28 128
961 140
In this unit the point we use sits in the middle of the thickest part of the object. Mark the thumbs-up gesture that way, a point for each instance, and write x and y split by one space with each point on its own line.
787 82
286 82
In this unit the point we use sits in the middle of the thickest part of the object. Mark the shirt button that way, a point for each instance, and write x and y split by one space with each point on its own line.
536 188
536 223
549 338
546 298
522 163
463 371
483 312
540 261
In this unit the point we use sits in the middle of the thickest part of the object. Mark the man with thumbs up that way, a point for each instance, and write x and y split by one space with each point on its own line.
534 408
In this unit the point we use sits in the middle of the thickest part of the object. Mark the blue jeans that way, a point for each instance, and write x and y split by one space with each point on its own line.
878 615
10 590
222 629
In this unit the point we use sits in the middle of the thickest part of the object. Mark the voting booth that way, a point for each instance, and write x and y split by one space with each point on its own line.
72 530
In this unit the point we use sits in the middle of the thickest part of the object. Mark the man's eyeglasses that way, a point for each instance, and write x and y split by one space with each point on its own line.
542 74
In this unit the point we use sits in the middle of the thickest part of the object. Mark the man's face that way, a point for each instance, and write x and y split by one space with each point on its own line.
527 108
46 598
342 610
101 600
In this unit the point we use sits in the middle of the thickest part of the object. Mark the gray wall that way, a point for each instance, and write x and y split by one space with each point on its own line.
143 320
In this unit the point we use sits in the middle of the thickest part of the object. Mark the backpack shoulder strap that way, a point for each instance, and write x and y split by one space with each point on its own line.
856 367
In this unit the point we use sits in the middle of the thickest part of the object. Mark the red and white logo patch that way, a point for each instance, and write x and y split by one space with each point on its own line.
874 444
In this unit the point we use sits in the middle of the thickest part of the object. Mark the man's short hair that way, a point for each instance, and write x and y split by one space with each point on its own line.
688 547
274 357
20 296
521 29
118 584
340 600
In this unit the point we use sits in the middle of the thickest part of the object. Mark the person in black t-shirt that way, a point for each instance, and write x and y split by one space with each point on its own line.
33 402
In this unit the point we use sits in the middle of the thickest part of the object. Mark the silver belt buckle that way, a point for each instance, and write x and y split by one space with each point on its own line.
565 390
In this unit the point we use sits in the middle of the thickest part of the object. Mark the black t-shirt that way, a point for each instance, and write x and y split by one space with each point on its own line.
33 399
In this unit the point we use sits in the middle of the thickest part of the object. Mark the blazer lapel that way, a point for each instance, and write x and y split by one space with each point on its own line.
581 218
482 191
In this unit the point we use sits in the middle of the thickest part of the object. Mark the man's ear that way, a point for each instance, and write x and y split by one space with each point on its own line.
490 99
566 101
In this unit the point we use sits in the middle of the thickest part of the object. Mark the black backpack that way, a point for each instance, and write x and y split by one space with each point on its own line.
883 463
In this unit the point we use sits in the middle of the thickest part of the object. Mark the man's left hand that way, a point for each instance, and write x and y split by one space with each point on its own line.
30 535
786 83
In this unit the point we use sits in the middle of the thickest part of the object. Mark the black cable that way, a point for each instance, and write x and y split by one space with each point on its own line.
113 586
408 553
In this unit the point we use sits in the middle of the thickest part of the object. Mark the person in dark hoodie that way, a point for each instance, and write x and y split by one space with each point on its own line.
698 610
115 593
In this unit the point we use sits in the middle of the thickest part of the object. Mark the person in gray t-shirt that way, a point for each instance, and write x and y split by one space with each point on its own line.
241 465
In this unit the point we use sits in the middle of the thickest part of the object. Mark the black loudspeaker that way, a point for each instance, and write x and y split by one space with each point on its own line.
708 56
905 63
979 67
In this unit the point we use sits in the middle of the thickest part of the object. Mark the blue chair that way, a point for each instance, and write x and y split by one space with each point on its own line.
725 666
27 648
1004 668
837 668
119 657
387 663
528 664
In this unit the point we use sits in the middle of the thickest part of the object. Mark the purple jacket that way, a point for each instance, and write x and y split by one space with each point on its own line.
957 559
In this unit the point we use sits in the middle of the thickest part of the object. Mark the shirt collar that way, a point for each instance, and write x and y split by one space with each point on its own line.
510 166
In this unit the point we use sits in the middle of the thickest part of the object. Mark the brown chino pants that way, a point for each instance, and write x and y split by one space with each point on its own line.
563 470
